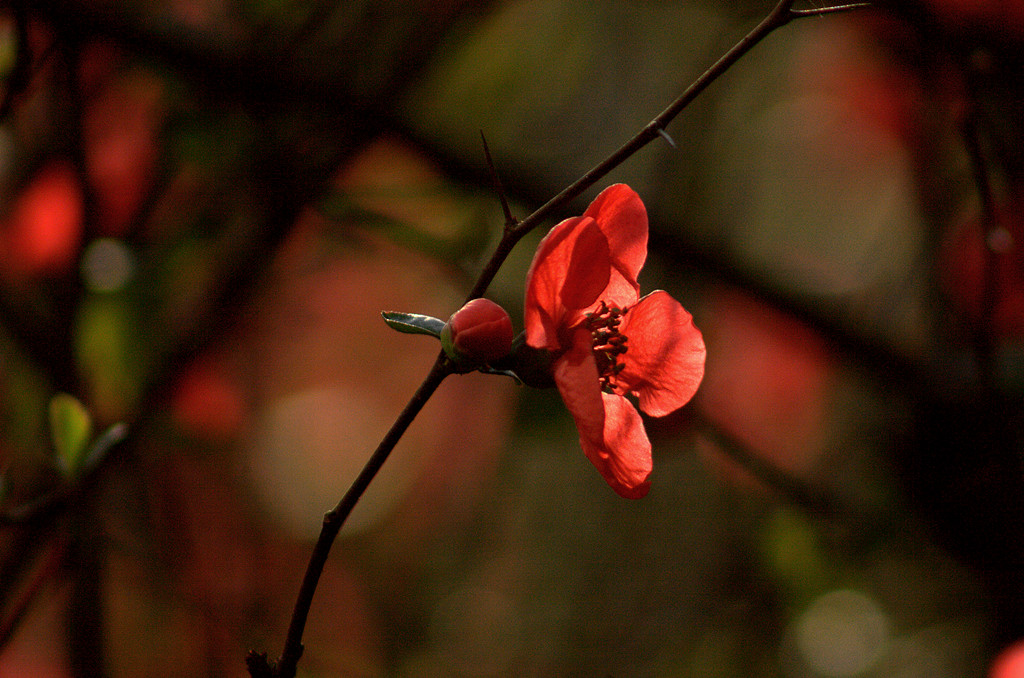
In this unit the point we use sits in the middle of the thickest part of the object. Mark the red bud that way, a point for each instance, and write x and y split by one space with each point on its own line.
479 332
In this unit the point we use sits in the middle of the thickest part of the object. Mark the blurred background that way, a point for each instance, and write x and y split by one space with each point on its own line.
205 205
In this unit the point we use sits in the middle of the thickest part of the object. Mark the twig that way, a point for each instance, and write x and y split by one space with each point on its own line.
781 15
285 667
510 221
334 520
835 9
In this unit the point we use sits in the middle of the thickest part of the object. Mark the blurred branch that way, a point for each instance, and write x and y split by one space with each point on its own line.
809 499
984 333
875 355
291 167
261 68
48 565
21 73
285 184
85 620
314 21
34 330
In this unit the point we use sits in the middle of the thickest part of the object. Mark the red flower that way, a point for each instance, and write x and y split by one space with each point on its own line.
583 306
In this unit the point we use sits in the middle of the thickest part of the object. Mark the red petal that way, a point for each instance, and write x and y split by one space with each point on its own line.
576 376
611 430
569 271
664 363
624 456
622 217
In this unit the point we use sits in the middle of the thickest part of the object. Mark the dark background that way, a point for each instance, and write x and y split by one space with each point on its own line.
205 205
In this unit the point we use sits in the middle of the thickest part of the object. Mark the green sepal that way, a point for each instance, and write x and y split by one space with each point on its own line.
413 323
531 366
70 431
502 373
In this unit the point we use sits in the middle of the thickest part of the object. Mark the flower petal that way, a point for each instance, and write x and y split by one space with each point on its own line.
575 374
664 363
622 217
624 455
569 271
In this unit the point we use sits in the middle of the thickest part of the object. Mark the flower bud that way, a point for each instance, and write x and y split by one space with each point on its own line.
479 332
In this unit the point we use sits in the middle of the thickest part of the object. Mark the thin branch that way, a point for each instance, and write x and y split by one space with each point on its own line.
285 667
334 520
313 22
781 15
836 9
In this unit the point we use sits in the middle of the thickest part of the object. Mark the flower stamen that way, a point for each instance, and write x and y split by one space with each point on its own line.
608 343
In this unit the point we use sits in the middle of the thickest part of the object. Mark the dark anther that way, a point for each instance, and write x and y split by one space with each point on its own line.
608 343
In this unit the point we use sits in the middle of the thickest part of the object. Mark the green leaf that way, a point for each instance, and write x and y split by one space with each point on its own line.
413 323
70 430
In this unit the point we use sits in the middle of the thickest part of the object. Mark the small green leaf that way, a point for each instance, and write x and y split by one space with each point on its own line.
413 323
70 430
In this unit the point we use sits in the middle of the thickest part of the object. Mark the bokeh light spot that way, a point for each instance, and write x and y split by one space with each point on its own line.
107 264
842 633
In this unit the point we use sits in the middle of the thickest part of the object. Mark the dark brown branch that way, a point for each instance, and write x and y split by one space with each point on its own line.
334 520
285 667
781 15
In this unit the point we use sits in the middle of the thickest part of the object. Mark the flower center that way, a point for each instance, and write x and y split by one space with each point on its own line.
608 342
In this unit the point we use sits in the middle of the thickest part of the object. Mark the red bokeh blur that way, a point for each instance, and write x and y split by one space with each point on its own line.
43 233
120 136
208 400
1004 16
1010 663
963 263
767 381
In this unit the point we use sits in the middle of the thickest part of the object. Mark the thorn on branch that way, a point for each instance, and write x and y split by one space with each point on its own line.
665 135
510 221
